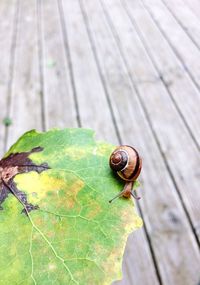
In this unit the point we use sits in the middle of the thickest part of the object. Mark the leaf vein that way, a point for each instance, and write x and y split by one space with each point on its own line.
30 251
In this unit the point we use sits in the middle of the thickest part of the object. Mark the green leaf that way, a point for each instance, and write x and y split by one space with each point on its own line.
57 226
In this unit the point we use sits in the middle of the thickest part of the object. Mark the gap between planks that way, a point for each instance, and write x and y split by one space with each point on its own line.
187 51
179 97
186 18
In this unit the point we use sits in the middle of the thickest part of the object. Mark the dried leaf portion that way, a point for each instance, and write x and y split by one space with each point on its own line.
11 166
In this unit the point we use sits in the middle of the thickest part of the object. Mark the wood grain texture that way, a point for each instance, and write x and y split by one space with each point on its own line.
137 262
180 87
25 104
185 18
166 202
185 49
194 5
87 81
58 91
173 139
8 10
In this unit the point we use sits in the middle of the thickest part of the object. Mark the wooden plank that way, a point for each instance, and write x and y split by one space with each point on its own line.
194 6
173 139
182 45
136 262
59 100
25 109
182 90
91 97
161 209
186 19
7 16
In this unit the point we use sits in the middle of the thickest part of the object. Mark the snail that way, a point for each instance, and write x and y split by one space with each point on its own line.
127 163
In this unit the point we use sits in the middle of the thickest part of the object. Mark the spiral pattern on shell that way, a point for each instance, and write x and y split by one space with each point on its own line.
118 159
126 162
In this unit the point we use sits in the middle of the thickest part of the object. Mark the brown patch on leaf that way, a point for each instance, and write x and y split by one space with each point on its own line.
72 196
17 163
93 211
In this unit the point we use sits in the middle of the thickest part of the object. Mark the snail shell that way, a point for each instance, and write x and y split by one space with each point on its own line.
126 161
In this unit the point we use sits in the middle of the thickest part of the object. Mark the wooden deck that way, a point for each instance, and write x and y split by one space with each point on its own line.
130 70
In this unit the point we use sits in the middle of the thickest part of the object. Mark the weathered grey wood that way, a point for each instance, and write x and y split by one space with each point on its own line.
184 93
174 140
90 92
136 266
194 6
7 16
25 108
59 101
186 18
165 218
178 39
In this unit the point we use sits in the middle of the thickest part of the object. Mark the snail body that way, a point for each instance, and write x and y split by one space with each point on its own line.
127 163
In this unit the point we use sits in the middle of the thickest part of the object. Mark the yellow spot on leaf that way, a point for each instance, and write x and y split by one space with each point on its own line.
52 266
74 189
40 184
63 189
